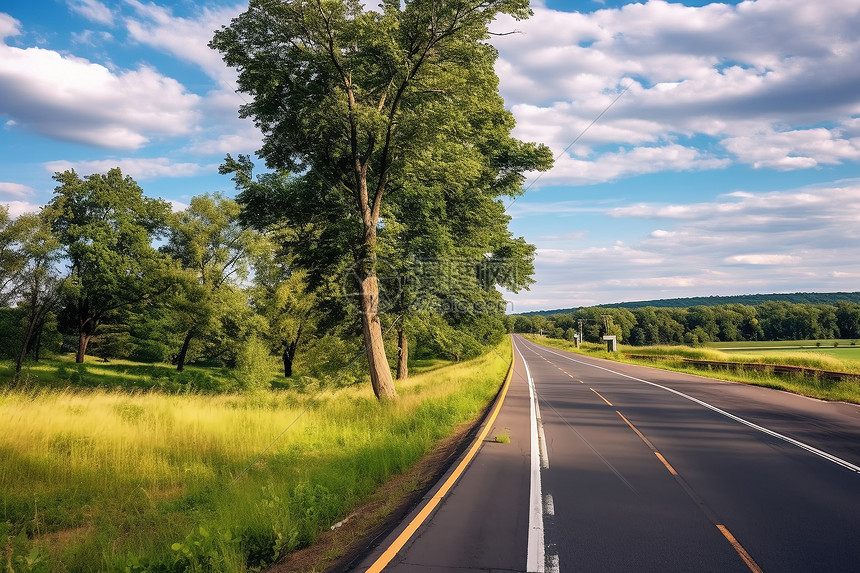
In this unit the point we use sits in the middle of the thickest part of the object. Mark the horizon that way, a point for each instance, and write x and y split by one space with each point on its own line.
637 303
702 148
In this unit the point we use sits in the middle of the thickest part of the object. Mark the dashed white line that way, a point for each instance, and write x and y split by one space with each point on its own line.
548 505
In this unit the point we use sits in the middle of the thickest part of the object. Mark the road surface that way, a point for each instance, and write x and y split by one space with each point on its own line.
614 467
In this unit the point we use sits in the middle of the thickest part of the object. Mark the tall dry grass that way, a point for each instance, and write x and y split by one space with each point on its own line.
99 480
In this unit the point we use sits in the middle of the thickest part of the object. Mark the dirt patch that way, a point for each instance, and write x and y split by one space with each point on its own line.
58 541
342 547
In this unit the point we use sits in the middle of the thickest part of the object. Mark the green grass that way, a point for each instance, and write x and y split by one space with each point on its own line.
110 480
61 372
670 358
844 350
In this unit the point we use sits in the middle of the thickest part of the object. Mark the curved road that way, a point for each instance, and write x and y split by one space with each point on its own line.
614 467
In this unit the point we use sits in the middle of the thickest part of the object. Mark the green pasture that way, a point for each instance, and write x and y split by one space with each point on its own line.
841 349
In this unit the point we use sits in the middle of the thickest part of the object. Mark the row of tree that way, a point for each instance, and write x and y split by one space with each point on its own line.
118 274
771 320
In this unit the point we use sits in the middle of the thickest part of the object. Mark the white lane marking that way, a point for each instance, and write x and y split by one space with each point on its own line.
544 456
792 441
548 505
535 560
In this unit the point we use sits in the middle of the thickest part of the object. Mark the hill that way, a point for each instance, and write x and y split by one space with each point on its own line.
831 298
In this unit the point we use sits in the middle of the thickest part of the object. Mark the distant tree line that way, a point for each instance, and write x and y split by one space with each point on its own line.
770 320
829 298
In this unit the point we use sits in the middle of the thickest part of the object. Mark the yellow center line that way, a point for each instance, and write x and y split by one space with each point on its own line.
723 529
665 463
425 512
649 444
598 393
739 548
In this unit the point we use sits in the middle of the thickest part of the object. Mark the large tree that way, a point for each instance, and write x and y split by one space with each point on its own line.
40 282
281 294
213 248
106 227
361 99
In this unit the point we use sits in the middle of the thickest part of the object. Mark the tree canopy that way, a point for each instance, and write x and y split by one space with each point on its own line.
400 103
106 226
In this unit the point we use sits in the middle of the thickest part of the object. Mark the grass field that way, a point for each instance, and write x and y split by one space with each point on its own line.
61 372
116 480
842 349
671 358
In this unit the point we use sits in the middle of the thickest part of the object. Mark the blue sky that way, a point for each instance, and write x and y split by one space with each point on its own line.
728 166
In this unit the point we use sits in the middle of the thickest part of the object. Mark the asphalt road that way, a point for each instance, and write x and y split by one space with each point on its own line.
613 467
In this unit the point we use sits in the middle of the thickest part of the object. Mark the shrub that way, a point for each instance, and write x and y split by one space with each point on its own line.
255 366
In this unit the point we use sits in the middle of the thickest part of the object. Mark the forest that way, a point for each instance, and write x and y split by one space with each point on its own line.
105 271
695 325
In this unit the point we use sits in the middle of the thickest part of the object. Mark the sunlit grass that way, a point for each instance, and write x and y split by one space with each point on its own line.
108 480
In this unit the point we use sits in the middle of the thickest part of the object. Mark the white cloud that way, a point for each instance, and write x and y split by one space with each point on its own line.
739 243
15 189
68 98
92 10
626 163
763 259
18 208
794 149
753 76
139 169
177 206
185 38
9 26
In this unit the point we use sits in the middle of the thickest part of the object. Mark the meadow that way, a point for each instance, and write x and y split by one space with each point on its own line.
113 478
824 357
843 349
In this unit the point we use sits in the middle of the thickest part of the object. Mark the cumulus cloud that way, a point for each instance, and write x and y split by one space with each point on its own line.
739 243
140 169
187 39
18 208
15 189
184 38
794 149
756 77
72 99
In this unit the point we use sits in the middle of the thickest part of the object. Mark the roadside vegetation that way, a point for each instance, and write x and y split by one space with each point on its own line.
107 479
674 357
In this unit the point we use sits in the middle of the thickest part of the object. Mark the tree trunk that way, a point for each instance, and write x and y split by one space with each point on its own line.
402 355
25 344
290 352
83 340
288 360
374 347
183 352
36 344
